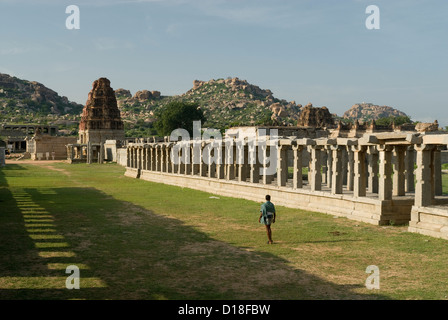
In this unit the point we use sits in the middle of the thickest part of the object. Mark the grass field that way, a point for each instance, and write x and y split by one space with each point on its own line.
135 239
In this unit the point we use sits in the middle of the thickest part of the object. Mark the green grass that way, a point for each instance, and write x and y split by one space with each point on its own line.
135 239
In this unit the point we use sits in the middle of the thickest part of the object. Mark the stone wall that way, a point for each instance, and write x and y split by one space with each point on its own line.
122 157
47 147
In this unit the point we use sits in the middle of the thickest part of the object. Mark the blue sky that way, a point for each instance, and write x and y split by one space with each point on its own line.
316 51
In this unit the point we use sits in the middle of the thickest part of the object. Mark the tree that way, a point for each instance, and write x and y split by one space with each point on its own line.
177 115
397 120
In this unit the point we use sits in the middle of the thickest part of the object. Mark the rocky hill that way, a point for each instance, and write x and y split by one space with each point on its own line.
369 111
225 102
22 101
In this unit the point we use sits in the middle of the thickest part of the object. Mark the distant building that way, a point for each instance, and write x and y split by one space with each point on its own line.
17 135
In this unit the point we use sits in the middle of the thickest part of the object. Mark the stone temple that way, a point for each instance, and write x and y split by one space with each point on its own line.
100 120
100 124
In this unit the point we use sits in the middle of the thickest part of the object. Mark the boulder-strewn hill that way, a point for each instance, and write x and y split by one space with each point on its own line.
225 102
369 111
22 101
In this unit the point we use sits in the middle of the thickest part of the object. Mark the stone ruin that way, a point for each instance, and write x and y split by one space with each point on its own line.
100 122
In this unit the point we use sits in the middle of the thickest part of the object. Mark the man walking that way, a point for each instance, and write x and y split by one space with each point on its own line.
267 216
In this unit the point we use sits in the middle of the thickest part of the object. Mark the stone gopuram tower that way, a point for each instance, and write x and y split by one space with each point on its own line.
101 120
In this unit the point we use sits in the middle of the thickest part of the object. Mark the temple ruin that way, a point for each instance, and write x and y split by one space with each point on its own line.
370 178
100 122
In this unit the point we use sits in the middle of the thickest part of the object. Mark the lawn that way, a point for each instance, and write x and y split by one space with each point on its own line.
134 239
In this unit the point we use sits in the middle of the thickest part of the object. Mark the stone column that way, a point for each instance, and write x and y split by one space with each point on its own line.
344 157
187 158
373 169
437 168
409 169
316 175
139 157
230 168
163 158
398 179
202 165
128 156
282 165
242 174
267 178
144 160
195 157
385 171
168 165
329 166
350 169
174 166
337 173
153 157
158 158
220 165
423 187
254 176
359 163
324 161
297 171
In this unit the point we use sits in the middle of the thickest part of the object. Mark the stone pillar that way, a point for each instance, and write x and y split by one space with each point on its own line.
359 163
153 158
195 157
158 159
373 169
138 157
324 161
344 157
385 171
163 158
282 165
437 168
168 165
267 178
329 166
174 166
242 173
316 175
254 176
181 164
220 165
409 169
423 187
230 168
350 169
187 158
128 156
202 165
297 171
398 178
337 173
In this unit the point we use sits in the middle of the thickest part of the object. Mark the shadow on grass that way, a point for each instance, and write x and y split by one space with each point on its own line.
128 252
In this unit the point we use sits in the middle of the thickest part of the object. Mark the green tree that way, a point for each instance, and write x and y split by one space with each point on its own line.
176 115
397 120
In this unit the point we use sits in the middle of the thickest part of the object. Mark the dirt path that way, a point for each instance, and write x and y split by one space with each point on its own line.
43 163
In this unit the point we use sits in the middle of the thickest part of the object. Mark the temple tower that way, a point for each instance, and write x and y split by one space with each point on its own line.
101 120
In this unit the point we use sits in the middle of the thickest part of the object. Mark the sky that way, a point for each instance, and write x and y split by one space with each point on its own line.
317 51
